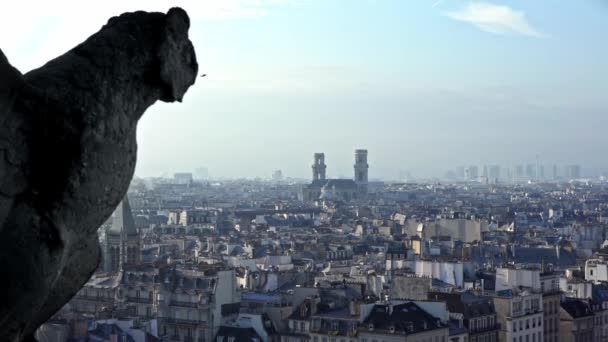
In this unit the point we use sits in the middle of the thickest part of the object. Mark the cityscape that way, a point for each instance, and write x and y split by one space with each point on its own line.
189 258
303 171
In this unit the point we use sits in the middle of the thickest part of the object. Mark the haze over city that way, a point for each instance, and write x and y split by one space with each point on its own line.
425 86
304 171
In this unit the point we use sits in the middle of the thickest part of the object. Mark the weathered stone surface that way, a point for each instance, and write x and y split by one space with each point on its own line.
67 154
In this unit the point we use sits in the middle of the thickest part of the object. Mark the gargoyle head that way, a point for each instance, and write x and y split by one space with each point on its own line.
178 66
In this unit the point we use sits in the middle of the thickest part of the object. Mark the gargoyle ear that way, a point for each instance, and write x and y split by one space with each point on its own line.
178 66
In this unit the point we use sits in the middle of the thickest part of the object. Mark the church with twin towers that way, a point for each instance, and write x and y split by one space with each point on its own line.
345 190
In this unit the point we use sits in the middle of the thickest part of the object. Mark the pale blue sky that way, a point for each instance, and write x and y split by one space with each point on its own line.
423 85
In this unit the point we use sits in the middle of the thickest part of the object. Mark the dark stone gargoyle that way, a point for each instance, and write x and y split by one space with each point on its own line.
68 151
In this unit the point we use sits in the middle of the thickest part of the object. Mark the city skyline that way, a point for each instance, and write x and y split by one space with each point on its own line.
483 172
304 171
423 85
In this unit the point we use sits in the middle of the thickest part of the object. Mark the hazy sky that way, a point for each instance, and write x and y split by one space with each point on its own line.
423 85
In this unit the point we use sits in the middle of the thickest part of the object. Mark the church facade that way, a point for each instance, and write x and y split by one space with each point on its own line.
346 190
121 247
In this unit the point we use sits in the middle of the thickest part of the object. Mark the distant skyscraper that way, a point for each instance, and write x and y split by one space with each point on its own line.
541 172
183 178
277 175
318 167
554 174
473 173
494 172
537 169
460 173
573 171
530 172
201 173
519 171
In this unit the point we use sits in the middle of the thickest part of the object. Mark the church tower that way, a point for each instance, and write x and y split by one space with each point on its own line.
122 240
318 167
361 167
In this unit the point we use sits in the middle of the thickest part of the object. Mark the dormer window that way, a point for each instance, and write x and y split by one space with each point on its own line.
370 327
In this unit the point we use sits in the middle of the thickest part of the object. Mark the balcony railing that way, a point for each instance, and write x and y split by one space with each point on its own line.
496 327
182 321
183 304
94 298
142 300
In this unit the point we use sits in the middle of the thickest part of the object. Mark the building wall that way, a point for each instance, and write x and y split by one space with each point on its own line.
551 317
458 229
431 335
520 316
576 289
508 278
449 272
596 271
190 318
409 287
600 328
528 328
575 330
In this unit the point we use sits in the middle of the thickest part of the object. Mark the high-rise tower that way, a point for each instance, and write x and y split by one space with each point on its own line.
361 166
318 167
